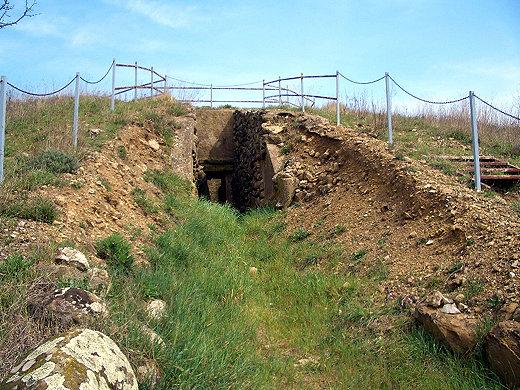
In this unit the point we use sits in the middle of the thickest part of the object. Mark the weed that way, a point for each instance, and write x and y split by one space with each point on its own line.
443 165
378 271
337 230
82 283
489 193
105 183
433 283
144 202
299 234
121 152
495 302
116 251
318 223
54 161
459 135
13 267
473 288
456 267
516 207
357 256
76 185
286 149
36 209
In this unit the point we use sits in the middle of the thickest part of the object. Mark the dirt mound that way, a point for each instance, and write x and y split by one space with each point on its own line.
100 199
414 226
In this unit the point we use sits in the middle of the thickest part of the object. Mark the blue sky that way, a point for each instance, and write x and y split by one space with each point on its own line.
438 49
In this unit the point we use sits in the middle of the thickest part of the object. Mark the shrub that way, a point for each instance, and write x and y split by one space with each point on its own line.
116 251
54 161
37 209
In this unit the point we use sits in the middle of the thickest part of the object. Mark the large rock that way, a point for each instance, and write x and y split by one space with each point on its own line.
458 331
72 257
78 360
69 305
502 346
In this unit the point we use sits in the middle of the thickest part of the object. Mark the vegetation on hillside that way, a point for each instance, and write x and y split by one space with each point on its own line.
431 134
292 321
38 149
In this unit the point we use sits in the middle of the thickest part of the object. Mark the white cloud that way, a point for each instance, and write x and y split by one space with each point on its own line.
82 38
162 13
39 27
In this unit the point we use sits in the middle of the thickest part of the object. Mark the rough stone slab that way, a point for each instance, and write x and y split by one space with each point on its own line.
458 331
503 351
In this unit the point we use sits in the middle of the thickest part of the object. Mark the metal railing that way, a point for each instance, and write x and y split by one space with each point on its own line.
273 93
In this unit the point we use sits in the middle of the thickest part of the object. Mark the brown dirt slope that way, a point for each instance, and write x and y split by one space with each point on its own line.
418 228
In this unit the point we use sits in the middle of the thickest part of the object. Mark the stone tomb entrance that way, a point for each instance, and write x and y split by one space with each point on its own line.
238 165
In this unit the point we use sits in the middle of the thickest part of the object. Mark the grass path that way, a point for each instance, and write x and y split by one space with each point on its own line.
298 322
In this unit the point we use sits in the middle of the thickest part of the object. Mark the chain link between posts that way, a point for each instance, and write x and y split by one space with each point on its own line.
101 79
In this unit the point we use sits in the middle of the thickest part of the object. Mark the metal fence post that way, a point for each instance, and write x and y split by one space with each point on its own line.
76 113
3 90
151 81
301 89
279 91
135 78
113 98
211 96
165 83
287 95
338 119
389 110
263 93
474 141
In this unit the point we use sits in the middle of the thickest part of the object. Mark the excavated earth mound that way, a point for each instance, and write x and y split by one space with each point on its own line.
420 226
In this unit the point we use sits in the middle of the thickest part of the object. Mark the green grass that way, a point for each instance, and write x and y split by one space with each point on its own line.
227 328
299 234
14 267
144 202
116 251
36 209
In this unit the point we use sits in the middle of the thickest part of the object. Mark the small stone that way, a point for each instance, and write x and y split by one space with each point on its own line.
512 274
429 242
435 299
459 298
253 270
94 132
156 309
152 336
450 308
154 144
